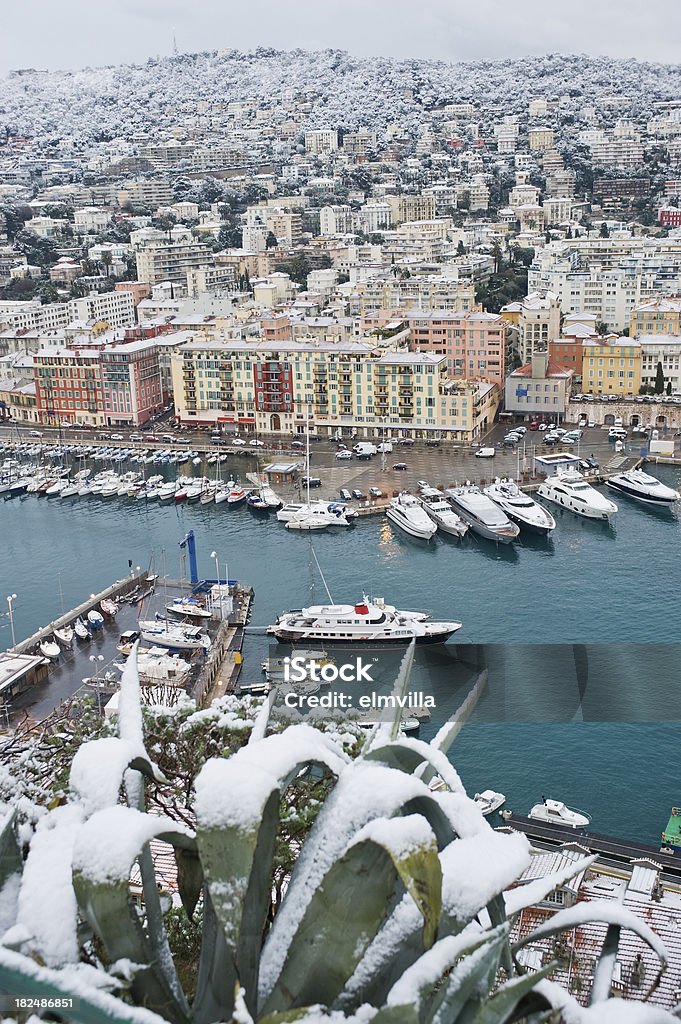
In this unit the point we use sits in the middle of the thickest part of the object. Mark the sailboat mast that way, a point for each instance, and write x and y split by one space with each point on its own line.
307 455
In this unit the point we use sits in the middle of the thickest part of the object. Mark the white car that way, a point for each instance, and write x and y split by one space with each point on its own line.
485 453
543 426
344 455
255 443
238 441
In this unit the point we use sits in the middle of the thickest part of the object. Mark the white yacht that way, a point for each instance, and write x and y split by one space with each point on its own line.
482 515
344 515
369 622
177 637
571 491
520 507
441 512
407 512
488 801
555 812
313 519
643 487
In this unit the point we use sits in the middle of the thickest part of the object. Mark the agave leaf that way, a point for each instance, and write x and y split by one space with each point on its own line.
496 908
420 981
596 910
237 807
11 866
189 879
93 1005
600 989
501 1007
105 850
474 974
386 731
347 910
451 729
216 979
396 1015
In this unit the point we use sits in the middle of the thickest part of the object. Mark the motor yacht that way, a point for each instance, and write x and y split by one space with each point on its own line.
556 812
482 515
178 637
314 519
441 512
520 508
368 622
407 512
344 514
570 490
643 487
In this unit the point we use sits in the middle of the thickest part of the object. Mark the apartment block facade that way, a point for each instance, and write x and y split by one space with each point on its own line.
611 366
350 387
474 343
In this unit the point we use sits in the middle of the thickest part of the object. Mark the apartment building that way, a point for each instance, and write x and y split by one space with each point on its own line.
540 139
538 321
617 153
101 385
422 292
661 350
169 261
145 192
116 308
91 219
611 365
411 207
474 343
359 143
660 316
321 141
335 220
218 278
351 387
375 217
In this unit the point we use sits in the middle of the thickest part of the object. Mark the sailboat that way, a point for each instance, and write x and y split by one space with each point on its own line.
313 515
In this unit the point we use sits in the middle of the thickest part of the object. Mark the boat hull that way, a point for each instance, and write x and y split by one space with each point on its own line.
410 528
585 512
646 499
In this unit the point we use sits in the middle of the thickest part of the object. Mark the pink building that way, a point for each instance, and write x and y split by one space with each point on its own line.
474 343
131 382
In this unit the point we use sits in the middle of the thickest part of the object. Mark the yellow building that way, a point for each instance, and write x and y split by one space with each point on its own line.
354 388
661 316
611 365
540 139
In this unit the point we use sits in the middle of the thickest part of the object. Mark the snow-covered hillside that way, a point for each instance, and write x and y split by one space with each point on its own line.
99 104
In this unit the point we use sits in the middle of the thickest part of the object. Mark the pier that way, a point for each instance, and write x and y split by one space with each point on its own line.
616 852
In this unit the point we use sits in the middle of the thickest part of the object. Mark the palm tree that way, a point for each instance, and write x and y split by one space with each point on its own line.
106 261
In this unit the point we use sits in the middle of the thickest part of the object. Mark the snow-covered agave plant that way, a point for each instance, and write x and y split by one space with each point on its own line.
398 910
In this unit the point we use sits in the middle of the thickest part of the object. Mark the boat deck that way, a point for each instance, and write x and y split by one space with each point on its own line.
672 833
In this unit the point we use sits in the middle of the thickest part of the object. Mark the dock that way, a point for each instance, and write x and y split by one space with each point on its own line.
617 852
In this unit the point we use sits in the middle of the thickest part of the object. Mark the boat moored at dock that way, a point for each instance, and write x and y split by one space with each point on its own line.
407 512
482 515
571 491
520 508
644 487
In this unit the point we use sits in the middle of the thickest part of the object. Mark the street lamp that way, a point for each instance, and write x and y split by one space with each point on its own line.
10 598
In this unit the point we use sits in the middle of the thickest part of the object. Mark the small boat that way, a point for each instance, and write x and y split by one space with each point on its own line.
188 608
207 495
109 607
643 487
407 512
127 639
56 488
555 812
181 494
95 619
488 801
194 492
64 635
82 632
237 496
312 519
344 514
222 494
258 504
482 515
49 649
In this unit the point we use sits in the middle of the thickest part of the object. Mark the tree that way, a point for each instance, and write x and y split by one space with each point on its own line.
604 230
659 379
461 249
497 256
271 240
463 201
669 387
106 261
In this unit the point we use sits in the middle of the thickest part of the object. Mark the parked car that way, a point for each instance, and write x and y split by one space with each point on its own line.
344 454
375 492
314 481
409 441
297 444
256 443
421 483
535 425
399 465
357 494
36 433
485 453
238 441
519 430
432 443
117 437
345 494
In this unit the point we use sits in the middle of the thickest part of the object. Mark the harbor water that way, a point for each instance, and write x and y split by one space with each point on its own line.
610 748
